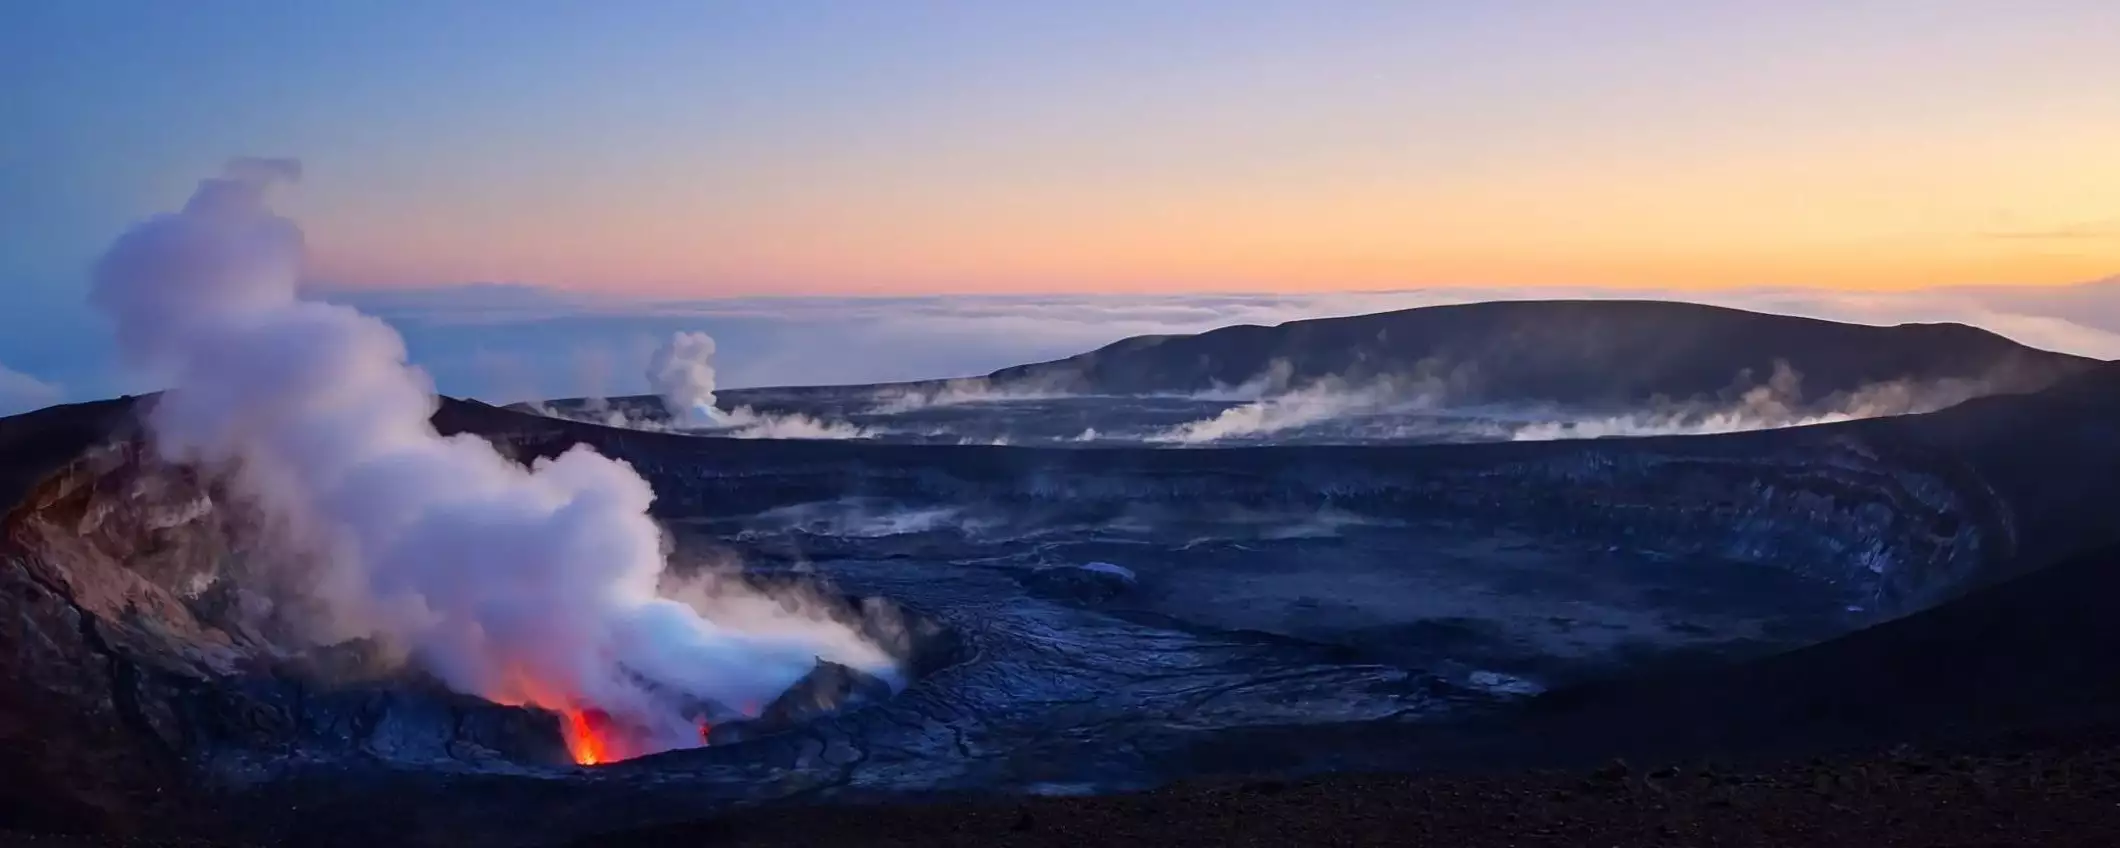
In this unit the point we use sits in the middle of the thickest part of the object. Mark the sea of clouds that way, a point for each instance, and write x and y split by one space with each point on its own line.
508 342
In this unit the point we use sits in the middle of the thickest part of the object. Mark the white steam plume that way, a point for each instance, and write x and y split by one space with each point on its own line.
893 400
522 585
682 374
1777 403
744 422
1324 400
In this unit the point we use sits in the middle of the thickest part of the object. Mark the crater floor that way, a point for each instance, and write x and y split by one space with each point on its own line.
1116 618
1158 660
1091 649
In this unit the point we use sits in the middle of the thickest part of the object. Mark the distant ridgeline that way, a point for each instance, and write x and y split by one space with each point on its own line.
1592 352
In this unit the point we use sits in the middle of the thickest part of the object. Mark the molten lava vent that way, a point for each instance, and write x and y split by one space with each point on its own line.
588 736
594 736
541 585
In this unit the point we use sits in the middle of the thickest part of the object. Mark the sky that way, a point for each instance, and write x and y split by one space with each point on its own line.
692 150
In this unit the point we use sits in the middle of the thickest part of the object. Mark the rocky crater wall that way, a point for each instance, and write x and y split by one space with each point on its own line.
128 646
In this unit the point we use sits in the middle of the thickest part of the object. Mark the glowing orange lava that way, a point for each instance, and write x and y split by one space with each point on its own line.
585 737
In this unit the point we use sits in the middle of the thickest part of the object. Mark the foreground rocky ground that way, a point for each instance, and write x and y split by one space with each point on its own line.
2044 796
2052 792
2008 695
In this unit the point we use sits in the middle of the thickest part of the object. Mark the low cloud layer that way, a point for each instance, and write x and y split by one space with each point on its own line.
21 392
513 342
518 342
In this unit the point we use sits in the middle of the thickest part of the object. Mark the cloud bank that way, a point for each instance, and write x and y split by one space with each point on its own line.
21 392
508 343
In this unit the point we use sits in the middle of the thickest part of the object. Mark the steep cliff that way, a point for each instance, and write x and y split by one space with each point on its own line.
138 638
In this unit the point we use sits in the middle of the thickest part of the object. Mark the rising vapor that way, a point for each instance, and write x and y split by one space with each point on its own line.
1775 404
533 586
681 373
1277 406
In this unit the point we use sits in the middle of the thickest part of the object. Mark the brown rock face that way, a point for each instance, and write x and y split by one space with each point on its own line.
77 749
147 649
106 561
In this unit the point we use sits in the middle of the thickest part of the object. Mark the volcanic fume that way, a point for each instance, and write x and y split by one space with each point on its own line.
682 373
535 586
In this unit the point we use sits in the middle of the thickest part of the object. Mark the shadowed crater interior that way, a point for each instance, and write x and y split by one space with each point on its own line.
349 704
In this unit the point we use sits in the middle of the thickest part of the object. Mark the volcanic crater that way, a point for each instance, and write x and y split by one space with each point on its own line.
206 643
1061 621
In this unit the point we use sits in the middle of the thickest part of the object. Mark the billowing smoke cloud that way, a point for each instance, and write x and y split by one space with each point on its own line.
523 585
682 373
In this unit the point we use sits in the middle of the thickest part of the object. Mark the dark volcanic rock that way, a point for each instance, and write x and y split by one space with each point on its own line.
2049 795
828 688
2032 660
1905 511
406 719
132 658
2039 651
129 676
1090 583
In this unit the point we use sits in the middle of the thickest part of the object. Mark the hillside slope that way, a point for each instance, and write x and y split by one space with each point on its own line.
2036 656
1568 352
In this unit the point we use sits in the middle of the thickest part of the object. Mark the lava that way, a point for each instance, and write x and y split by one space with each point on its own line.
591 742
587 734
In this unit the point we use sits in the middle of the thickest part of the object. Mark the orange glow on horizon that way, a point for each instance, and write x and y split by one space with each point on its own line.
2036 204
1849 271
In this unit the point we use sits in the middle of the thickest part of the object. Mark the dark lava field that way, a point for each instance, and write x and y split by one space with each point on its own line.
1084 617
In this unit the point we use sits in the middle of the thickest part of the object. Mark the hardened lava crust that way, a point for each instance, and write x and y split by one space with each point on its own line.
1141 621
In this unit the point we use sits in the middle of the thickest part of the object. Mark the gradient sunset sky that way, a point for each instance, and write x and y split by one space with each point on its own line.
717 148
